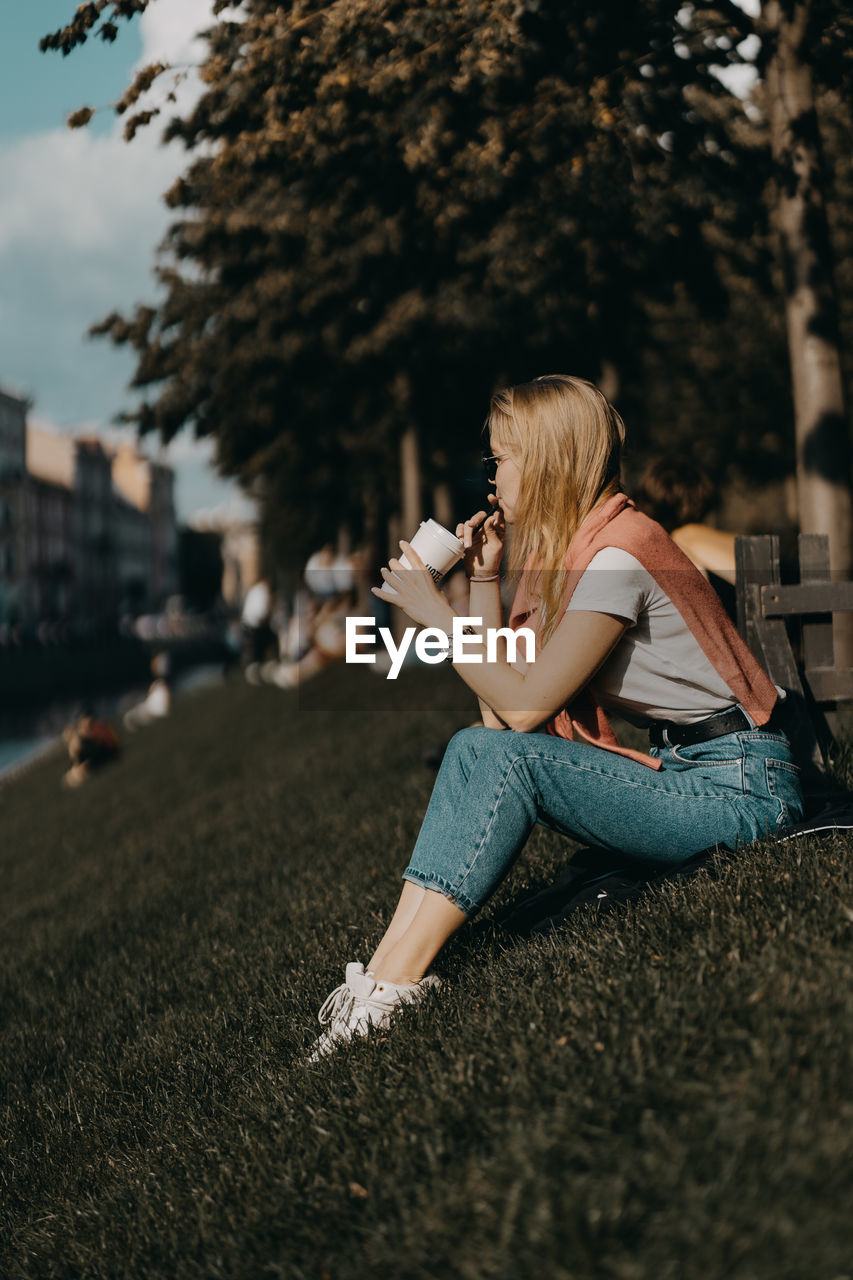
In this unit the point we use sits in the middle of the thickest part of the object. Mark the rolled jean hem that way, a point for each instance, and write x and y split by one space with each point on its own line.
438 885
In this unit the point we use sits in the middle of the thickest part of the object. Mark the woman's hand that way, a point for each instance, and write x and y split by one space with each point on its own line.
483 538
415 591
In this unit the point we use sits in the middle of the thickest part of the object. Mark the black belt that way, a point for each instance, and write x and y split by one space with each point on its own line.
687 735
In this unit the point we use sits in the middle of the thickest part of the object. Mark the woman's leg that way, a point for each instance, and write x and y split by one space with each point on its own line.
419 928
410 900
409 957
426 917
494 786
480 814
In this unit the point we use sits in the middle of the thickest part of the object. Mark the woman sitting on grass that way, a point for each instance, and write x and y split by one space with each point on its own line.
622 620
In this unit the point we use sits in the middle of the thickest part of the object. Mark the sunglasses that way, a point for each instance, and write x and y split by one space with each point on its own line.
490 464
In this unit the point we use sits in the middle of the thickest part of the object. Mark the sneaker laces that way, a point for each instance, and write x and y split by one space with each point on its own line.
336 1005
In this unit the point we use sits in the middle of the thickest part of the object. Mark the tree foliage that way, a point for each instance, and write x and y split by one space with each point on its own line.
392 207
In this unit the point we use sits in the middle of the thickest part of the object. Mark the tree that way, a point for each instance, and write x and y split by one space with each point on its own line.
391 207
377 211
822 431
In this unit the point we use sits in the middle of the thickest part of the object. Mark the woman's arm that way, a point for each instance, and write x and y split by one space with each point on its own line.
487 715
578 647
484 601
482 537
711 550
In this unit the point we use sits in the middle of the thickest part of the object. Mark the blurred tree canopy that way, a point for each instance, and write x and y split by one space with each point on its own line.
392 208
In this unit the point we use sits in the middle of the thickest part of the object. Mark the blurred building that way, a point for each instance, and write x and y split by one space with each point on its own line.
96 566
241 551
13 492
50 531
100 533
133 556
149 488
164 531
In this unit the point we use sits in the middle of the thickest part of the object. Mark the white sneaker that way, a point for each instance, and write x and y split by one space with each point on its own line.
361 1002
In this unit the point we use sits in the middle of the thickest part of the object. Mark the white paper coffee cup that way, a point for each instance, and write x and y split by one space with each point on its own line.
437 547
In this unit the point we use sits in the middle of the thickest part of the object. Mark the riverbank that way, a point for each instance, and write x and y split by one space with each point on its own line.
660 1092
40 735
33 678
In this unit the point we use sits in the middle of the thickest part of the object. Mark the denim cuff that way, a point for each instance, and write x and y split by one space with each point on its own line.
441 886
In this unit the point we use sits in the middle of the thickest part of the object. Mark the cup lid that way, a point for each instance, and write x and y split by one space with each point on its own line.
442 535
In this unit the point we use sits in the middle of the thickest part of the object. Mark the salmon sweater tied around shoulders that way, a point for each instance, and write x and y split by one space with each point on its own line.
618 523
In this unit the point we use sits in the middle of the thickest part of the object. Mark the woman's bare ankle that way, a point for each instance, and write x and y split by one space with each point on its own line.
395 978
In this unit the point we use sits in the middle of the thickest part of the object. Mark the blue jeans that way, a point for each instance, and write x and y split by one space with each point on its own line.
495 785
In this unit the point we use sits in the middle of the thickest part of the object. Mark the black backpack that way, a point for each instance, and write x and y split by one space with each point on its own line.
602 880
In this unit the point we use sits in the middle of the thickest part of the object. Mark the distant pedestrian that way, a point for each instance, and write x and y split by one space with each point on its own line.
259 640
91 744
157 703
328 642
322 572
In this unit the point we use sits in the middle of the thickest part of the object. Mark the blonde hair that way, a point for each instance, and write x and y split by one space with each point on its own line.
567 440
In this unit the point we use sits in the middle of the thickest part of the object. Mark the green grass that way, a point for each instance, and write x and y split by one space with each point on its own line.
664 1092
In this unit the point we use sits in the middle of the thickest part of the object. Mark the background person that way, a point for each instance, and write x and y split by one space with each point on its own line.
321 573
157 703
328 642
258 637
318 636
622 620
91 744
679 495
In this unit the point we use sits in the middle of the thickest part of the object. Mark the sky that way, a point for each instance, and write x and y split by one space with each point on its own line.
81 214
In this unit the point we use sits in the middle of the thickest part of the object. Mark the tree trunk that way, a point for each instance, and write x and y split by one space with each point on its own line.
822 435
442 506
411 509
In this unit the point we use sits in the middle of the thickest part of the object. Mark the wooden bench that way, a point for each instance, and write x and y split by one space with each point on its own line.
814 683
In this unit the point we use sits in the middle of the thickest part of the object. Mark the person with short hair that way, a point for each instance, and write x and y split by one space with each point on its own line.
623 622
680 495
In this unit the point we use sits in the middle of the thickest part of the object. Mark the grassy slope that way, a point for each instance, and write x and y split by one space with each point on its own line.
665 1092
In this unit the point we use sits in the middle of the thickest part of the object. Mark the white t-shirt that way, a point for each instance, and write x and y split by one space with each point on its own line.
657 670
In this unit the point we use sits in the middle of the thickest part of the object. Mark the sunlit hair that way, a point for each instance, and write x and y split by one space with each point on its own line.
567 440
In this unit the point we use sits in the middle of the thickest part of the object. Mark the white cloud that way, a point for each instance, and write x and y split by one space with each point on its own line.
81 191
114 436
80 217
169 30
186 446
75 191
171 34
93 202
